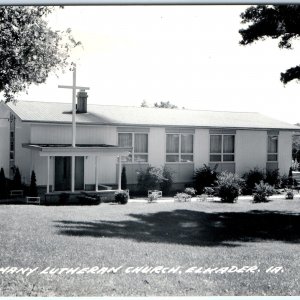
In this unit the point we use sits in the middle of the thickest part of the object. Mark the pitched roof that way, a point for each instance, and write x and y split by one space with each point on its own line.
51 112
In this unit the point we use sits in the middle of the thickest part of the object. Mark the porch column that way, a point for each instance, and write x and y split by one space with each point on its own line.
96 173
73 174
120 172
48 174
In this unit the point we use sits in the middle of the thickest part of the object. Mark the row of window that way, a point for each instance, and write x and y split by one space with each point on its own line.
179 147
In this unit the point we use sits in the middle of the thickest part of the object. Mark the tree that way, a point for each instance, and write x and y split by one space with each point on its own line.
144 104
17 184
164 104
3 185
33 188
123 179
277 22
29 48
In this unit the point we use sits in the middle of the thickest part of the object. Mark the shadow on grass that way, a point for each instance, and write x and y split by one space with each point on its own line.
193 228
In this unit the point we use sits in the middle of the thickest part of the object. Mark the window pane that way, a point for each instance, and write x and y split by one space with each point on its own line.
186 143
228 157
141 143
186 158
272 144
215 143
272 157
228 144
125 139
140 158
215 157
172 143
172 158
127 158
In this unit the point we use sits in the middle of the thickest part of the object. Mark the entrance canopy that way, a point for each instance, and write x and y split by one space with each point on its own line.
67 150
78 150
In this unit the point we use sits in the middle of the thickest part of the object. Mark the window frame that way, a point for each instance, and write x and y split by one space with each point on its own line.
133 153
222 153
179 153
272 153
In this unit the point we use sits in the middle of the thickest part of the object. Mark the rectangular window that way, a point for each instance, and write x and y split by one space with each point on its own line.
222 147
272 148
179 147
139 143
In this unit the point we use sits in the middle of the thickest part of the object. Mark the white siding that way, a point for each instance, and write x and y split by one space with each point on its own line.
39 165
62 134
157 146
251 150
284 151
4 139
201 147
22 155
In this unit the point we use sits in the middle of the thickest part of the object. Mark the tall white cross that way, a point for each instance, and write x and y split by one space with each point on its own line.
74 88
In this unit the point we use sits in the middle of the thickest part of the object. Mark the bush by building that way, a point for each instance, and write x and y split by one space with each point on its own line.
204 177
262 191
229 186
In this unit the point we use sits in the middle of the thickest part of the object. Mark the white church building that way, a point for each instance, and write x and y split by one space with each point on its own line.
38 136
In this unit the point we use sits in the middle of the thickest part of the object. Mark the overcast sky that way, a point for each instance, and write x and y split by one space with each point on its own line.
188 55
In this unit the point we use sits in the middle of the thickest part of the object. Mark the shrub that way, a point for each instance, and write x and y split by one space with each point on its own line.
273 177
151 179
182 197
204 177
190 191
123 179
209 191
289 194
63 198
229 186
3 185
251 178
262 191
121 197
33 187
17 185
167 181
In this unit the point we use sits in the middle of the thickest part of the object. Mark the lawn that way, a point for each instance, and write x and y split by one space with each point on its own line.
179 235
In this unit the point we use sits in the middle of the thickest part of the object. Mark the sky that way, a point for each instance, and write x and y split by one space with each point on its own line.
188 55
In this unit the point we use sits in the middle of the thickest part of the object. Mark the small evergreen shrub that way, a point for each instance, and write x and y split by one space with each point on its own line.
33 188
3 185
205 177
123 179
190 191
229 186
262 191
17 184
209 191
121 197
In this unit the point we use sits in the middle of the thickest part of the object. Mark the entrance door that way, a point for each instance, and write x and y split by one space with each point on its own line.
63 173
79 173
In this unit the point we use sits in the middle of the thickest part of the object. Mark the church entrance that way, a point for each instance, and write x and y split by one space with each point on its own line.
63 171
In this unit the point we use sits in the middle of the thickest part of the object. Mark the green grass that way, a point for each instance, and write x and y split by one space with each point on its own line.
202 234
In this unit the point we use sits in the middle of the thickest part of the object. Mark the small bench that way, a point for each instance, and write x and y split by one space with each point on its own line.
16 193
33 200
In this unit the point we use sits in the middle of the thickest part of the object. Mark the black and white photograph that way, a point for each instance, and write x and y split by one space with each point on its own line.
149 150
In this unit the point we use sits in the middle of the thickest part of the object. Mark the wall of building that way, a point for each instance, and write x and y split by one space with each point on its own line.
157 146
284 151
22 155
62 134
251 150
4 139
201 147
